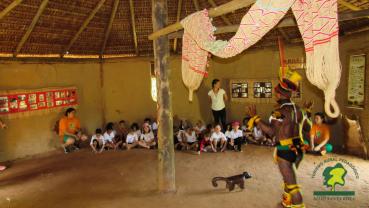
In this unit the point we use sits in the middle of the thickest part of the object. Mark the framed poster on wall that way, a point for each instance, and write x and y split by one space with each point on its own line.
252 90
263 89
356 81
239 89
21 103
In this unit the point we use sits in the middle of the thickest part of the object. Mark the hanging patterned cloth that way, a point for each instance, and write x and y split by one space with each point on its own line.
318 25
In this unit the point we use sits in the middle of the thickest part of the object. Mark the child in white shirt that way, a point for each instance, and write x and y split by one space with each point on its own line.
147 136
199 127
187 139
152 124
180 142
190 138
218 137
235 137
132 140
258 135
228 131
136 129
110 137
97 142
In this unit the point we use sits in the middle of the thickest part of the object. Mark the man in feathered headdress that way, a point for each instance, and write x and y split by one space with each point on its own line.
285 125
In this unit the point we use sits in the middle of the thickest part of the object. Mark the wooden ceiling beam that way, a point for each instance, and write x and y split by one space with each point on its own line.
287 22
196 4
284 34
349 6
364 29
133 23
108 29
9 8
31 27
179 10
221 10
364 13
83 27
214 12
224 18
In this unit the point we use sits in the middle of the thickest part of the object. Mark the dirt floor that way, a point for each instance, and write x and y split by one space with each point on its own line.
128 179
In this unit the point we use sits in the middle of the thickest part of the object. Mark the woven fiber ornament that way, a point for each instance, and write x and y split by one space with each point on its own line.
194 62
318 24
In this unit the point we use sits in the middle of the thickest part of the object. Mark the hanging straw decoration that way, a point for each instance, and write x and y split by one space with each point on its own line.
318 25
320 38
194 62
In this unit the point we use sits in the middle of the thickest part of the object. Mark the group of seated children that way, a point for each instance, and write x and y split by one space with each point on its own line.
209 138
123 137
200 138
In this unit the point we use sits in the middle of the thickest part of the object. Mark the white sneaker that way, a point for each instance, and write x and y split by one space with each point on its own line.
66 151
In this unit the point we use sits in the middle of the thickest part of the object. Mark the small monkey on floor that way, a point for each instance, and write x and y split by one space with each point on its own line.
232 181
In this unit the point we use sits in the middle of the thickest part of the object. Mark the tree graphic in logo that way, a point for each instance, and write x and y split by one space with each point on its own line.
334 176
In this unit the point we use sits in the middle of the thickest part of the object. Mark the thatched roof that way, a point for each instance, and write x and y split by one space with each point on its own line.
60 20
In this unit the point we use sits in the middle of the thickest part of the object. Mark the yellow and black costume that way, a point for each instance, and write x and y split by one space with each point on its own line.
287 126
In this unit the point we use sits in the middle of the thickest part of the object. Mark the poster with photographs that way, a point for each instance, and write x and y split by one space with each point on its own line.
4 104
263 89
27 102
252 90
32 98
240 90
356 81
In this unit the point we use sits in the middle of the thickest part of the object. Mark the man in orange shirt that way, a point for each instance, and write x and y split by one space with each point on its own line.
2 126
69 130
319 135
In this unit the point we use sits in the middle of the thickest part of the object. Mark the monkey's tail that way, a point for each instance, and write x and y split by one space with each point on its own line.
215 179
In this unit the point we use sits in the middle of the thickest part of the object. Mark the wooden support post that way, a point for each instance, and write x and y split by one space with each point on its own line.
214 12
10 8
102 90
30 28
224 18
83 27
196 4
108 29
133 23
166 165
178 18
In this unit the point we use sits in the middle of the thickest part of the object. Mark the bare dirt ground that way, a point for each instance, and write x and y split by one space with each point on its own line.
128 179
